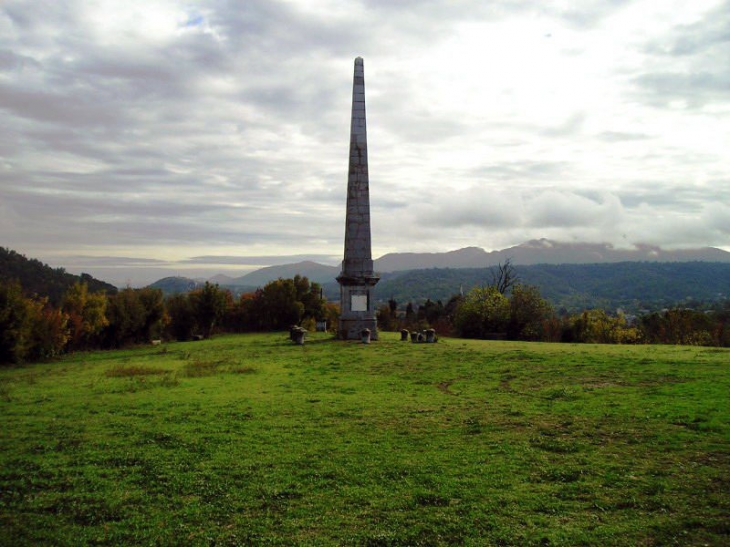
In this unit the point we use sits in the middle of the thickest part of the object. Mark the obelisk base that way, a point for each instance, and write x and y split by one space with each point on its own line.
357 308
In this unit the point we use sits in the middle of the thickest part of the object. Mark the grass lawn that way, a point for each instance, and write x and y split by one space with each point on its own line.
250 439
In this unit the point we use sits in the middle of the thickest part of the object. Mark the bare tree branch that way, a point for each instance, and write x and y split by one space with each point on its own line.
504 276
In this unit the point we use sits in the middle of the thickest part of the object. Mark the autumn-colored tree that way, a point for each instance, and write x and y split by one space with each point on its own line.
598 327
86 312
682 326
30 329
50 333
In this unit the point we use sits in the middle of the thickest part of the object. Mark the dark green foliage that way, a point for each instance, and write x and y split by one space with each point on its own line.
276 306
483 313
283 303
182 318
682 326
135 316
575 287
387 319
529 314
15 323
40 279
208 306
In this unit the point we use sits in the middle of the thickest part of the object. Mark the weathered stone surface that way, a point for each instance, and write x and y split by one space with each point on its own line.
357 278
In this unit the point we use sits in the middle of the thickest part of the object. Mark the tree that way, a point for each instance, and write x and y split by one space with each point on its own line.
49 334
208 306
86 312
30 329
15 323
125 315
310 295
504 277
393 307
153 303
528 313
681 326
410 313
182 321
386 321
135 316
598 327
483 311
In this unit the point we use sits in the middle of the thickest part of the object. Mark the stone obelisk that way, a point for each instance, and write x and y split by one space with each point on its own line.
357 278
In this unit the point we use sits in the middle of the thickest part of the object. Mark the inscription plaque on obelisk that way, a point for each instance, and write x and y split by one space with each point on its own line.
357 278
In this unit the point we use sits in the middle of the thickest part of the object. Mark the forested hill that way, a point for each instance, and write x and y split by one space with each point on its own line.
629 285
38 278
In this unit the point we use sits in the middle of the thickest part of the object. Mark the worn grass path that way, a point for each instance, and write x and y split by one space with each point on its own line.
252 440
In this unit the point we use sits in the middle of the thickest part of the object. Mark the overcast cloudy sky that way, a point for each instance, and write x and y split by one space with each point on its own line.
214 134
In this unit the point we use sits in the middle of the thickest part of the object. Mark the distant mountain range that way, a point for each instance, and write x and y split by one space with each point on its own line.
542 251
571 275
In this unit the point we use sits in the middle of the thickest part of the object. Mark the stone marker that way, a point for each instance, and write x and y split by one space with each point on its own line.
430 336
404 335
365 335
357 278
297 335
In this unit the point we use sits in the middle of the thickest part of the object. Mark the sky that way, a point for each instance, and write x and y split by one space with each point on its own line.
144 139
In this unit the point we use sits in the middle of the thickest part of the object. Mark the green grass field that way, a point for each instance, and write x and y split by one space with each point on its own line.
252 440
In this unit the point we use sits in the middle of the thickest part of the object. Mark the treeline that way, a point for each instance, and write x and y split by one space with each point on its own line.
33 328
636 287
40 279
506 309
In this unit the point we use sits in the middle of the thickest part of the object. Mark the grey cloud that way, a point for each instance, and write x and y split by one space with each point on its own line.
695 88
238 135
523 170
675 196
567 210
10 60
278 28
713 31
621 136
55 107
259 260
571 126
691 64
81 261
587 13
482 207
